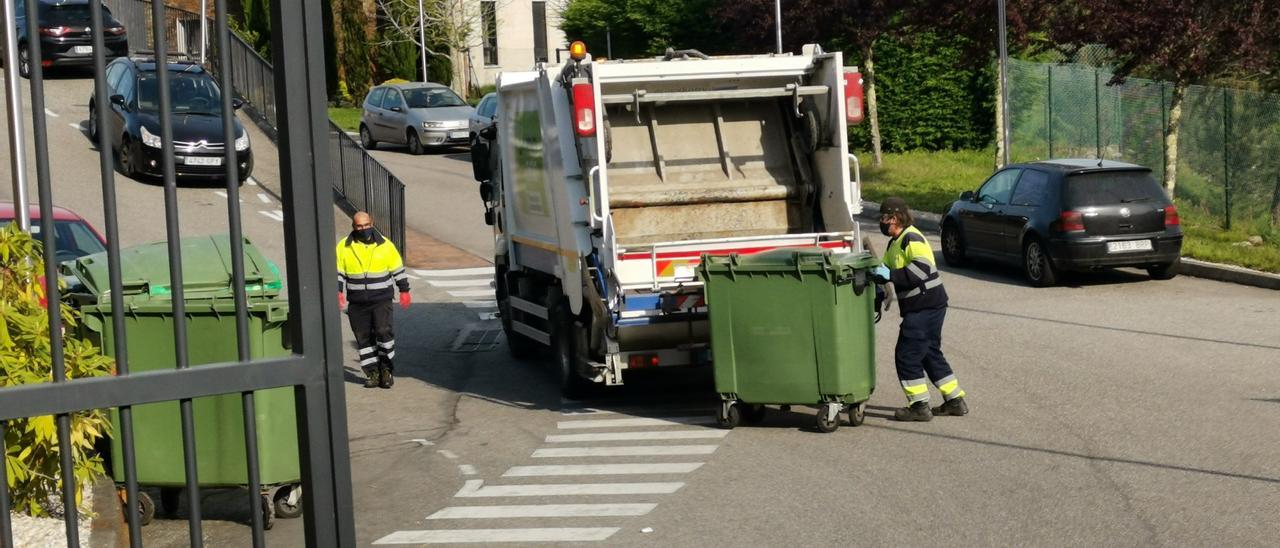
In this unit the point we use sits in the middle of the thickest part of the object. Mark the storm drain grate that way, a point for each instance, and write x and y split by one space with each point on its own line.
476 338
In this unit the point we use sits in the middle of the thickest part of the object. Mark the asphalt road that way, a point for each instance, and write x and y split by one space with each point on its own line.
1110 411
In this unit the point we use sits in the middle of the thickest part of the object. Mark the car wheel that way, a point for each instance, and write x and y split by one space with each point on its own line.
1165 271
1037 265
93 123
415 144
24 61
953 244
128 162
366 138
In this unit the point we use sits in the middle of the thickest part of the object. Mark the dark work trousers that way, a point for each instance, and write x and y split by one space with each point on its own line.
371 323
919 353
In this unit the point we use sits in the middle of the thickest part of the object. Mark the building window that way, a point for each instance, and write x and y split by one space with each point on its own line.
489 19
540 31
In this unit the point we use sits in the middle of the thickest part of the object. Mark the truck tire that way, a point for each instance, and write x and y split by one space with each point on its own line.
520 346
565 351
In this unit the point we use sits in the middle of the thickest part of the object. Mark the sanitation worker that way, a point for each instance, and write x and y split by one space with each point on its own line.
909 264
369 272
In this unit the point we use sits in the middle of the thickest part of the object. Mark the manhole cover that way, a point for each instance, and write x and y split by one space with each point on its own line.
476 338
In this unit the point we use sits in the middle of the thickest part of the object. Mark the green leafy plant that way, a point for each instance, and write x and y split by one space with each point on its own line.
32 454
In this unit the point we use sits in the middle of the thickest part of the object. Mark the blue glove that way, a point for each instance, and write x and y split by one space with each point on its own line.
880 273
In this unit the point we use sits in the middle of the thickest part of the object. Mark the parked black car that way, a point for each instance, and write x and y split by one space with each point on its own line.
133 120
1061 215
65 37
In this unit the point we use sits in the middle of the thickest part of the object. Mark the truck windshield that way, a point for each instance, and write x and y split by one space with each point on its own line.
1112 187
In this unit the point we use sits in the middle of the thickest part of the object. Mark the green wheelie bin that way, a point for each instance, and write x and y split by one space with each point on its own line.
791 326
211 328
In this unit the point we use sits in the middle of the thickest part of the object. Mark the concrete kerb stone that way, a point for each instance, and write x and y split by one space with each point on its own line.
932 222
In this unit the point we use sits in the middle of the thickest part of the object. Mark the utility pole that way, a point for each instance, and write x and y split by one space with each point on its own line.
1004 84
777 21
422 38
204 29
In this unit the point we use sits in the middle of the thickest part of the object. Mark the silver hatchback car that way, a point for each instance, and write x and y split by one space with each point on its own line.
418 115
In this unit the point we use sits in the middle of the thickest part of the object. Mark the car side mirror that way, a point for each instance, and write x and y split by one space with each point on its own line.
490 133
118 100
237 103
967 195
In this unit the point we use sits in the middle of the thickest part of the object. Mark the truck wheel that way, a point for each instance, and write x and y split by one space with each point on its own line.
564 344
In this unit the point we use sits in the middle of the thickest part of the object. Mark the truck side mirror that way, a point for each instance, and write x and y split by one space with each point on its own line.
490 132
486 191
480 160
488 217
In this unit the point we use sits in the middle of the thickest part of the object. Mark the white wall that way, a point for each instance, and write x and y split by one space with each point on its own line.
515 41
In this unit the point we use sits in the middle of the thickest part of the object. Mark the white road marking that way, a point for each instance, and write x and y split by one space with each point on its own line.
486 316
411 276
264 198
455 272
221 194
637 436
477 488
481 282
601 469
472 293
422 442
545 534
544 511
252 181
467 469
622 423
627 451
276 215
51 113
76 126
586 411
480 304
447 453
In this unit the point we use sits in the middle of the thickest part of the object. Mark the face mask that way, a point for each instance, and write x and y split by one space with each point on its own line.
364 234
884 229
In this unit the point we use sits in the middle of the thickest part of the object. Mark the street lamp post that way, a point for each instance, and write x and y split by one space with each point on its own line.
204 29
1004 84
777 22
422 38
17 136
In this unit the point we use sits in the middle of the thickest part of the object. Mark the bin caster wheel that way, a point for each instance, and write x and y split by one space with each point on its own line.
857 414
288 501
827 421
146 508
754 413
268 513
729 416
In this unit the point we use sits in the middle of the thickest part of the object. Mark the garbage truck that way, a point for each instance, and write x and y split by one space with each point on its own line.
606 181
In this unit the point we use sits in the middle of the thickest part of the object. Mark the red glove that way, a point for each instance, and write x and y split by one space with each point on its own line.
405 300
342 301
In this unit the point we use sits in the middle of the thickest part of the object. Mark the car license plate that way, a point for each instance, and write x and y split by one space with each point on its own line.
458 135
82 50
203 160
1131 245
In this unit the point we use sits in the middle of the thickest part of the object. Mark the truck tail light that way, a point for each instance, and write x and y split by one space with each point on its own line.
1171 216
636 361
1070 221
584 107
853 97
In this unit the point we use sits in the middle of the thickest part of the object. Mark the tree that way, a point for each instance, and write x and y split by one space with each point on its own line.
1176 41
854 25
637 28
450 26
354 60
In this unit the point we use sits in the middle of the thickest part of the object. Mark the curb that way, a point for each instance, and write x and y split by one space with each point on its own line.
932 222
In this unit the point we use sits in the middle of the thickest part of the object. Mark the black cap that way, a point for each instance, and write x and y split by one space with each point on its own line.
893 204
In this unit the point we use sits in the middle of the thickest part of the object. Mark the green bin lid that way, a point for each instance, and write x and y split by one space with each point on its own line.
788 259
206 271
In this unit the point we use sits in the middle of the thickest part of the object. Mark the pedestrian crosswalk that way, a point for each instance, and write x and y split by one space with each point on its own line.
472 287
657 460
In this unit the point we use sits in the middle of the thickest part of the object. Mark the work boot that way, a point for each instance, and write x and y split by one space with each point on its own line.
373 377
387 379
955 407
918 412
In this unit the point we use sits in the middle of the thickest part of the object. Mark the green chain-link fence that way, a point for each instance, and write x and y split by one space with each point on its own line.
1228 161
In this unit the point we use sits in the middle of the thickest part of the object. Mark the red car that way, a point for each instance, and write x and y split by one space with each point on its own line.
74 236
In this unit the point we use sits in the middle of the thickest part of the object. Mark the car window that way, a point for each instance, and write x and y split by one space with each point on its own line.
1112 187
189 93
488 106
113 77
374 99
999 187
1032 188
71 237
392 100
433 97
125 88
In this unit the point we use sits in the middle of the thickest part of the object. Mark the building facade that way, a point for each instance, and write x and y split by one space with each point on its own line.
508 35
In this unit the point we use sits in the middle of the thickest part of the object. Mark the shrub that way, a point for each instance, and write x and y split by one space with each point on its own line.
32 454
